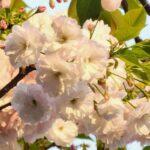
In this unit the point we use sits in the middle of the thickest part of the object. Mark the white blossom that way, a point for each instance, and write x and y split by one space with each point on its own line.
56 74
140 120
94 60
98 31
43 22
31 103
62 132
78 105
10 126
66 29
112 125
32 132
24 44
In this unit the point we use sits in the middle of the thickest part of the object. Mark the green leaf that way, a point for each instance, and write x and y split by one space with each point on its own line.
140 73
83 136
146 148
133 22
87 9
72 11
16 4
34 147
122 148
100 145
137 58
132 4
128 26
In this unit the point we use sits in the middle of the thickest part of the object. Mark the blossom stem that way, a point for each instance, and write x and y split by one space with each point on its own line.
99 90
131 104
117 75
22 73
126 79
141 91
95 27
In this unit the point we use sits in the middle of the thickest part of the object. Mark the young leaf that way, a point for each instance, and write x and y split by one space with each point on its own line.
72 11
87 9
82 136
128 26
146 148
137 58
132 4
16 4
134 21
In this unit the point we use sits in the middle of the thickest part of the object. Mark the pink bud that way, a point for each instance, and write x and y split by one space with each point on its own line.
3 24
111 5
5 3
72 147
2 46
21 9
59 1
41 8
52 3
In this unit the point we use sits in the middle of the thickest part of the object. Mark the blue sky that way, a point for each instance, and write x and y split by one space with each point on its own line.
62 7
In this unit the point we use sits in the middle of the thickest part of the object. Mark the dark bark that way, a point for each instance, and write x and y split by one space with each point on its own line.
22 73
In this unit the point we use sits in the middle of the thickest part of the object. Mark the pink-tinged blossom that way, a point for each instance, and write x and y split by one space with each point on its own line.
4 3
3 24
66 29
10 124
31 103
111 5
24 50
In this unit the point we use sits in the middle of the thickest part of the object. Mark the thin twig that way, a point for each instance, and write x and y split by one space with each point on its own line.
22 73
124 5
146 6
4 106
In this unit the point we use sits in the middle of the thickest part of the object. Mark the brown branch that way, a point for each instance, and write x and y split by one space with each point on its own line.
5 106
146 5
22 73
124 5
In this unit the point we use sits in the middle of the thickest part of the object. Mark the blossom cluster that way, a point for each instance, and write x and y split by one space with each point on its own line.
79 88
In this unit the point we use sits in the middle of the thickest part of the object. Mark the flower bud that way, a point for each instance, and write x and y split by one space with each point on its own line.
21 9
5 3
2 45
59 1
111 5
3 24
52 4
41 8
72 147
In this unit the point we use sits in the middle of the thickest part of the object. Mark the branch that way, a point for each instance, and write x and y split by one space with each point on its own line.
146 6
4 106
124 5
22 73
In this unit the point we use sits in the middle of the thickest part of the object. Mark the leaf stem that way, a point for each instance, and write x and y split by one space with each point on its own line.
95 27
